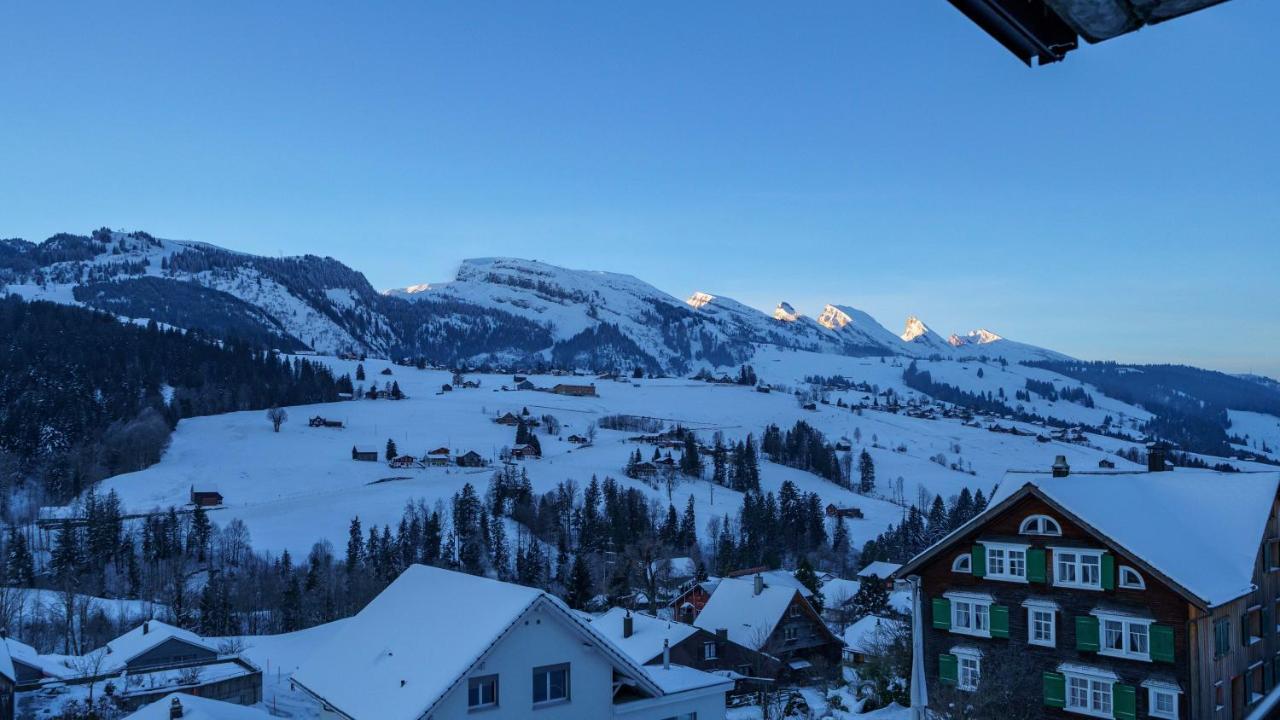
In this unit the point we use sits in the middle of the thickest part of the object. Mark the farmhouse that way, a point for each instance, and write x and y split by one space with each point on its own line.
849 512
439 457
403 461
865 638
577 440
524 452
525 385
364 455
205 498
29 667
156 644
1130 594
879 570
774 619
692 598
508 651
470 458
508 419
576 390
650 641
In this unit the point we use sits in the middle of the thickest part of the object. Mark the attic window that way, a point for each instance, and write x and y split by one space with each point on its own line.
962 563
1040 525
1131 579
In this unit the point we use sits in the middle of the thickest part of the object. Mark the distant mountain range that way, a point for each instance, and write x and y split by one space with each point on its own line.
497 310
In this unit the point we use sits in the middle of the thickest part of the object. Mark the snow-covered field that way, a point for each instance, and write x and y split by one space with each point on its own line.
300 485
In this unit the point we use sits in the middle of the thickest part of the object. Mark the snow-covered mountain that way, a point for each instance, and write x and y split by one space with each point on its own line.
496 310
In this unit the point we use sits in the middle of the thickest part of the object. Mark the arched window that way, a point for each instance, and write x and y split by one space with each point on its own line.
1131 579
1040 525
962 563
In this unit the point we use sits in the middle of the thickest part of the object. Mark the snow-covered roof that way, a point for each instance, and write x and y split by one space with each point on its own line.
678 678
837 591
6 663
861 636
880 569
648 632
24 653
748 617
197 708
408 647
146 636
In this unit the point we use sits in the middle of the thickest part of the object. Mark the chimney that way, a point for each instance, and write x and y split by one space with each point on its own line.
1060 467
1157 453
146 628
175 709
759 584
722 634
628 625
666 655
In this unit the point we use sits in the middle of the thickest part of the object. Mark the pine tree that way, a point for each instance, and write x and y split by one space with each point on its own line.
808 578
355 546
719 469
866 473
939 524
871 599
391 449
840 544
578 590
688 526
962 511
201 531
360 372
501 553
19 565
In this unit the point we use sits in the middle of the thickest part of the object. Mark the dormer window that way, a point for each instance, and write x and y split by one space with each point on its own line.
962 563
1130 579
1040 525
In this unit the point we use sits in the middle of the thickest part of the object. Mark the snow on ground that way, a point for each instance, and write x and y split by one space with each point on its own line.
300 485
1260 431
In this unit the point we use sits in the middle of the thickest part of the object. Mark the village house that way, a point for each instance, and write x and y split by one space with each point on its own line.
577 439
880 571
848 512
403 461
525 385
439 457
364 455
693 596
29 667
508 651
525 452
470 458
773 619
867 637
649 641
576 390
205 498
1129 594
508 418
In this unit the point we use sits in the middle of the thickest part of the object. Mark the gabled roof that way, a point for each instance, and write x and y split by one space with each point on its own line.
197 708
862 636
648 632
1199 531
881 569
418 631
749 618
6 663
147 636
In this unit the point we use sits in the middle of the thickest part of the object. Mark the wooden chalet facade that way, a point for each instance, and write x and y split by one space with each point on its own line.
1124 594
470 458
576 390
205 498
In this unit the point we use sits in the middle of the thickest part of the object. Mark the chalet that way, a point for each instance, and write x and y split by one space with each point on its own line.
643 470
1129 594
867 637
843 445
1106 464
577 440
850 512
470 458
693 596
403 461
525 385
651 641
525 452
575 390
772 618
156 644
364 455
879 570
437 458
763 389
508 419
322 422
205 498
508 651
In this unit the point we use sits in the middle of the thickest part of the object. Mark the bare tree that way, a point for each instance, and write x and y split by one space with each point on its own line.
277 416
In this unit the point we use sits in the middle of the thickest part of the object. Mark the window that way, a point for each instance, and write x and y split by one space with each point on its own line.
1253 683
1006 562
1129 578
970 665
1040 525
1125 637
550 683
1162 702
794 611
790 633
1221 637
1041 626
1078 568
971 616
1219 696
1089 695
1251 626
482 692
709 651
962 563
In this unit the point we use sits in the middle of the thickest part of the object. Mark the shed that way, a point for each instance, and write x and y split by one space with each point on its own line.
575 390
205 498
364 455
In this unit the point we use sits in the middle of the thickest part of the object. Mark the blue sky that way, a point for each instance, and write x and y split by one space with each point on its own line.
884 154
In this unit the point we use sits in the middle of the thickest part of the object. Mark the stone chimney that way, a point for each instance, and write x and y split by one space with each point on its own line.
1060 467
666 655
759 584
175 709
628 625
722 634
146 628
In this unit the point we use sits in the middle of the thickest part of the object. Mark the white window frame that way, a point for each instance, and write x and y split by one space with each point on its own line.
1009 553
962 564
975 607
1052 640
710 651
1093 690
1077 565
1039 525
790 633
1154 691
974 658
1127 624
481 681
1130 579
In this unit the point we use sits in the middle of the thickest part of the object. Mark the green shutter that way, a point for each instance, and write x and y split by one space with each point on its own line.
1108 571
1124 702
978 566
1162 643
942 613
1000 621
948 670
1035 565
1055 690
1087 633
